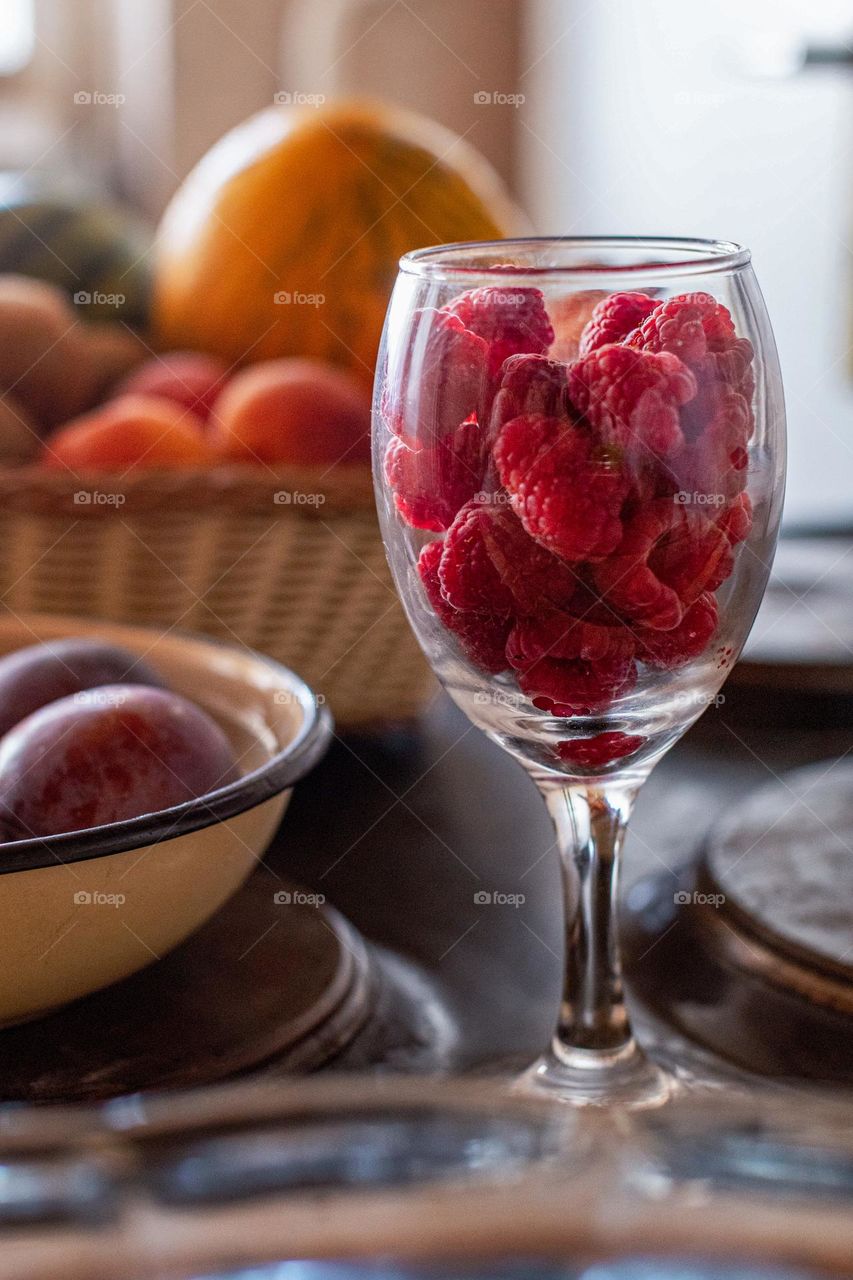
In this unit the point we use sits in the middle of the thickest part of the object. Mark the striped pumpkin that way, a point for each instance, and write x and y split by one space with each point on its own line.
81 246
315 205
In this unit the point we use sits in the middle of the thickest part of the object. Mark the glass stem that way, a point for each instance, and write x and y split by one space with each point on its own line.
590 823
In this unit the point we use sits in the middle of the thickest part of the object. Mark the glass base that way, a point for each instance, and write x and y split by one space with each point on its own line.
624 1078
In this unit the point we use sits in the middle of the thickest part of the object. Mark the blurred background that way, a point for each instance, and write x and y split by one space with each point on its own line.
633 116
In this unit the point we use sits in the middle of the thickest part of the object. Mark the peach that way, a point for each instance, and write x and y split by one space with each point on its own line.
127 433
294 411
191 378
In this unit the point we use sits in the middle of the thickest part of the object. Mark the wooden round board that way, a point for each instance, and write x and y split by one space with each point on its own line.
273 977
752 956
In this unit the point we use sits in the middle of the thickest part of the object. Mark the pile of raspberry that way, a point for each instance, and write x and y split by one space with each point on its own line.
591 508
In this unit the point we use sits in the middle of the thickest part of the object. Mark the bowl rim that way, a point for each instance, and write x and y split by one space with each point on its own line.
292 762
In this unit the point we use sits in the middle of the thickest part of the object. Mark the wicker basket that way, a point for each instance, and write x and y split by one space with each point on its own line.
288 562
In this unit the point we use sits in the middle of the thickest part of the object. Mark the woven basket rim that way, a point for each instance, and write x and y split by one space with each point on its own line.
234 487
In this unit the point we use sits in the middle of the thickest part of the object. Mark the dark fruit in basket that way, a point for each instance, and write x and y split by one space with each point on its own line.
130 433
106 755
32 677
44 359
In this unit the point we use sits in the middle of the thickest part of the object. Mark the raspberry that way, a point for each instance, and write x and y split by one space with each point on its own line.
666 649
490 564
510 319
736 520
614 318
561 636
628 581
565 490
577 688
715 461
468 575
687 326
444 380
730 363
604 748
536 578
693 556
633 397
482 637
431 484
536 385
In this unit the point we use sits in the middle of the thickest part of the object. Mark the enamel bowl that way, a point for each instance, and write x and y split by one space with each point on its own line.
84 909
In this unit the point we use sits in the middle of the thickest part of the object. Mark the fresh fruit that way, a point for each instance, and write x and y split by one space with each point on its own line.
108 754
127 433
600 750
615 316
591 509
665 649
562 486
633 398
687 326
44 360
489 564
19 437
482 637
510 320
83 246
446 386
190 378
294 411
576 687
285 239
431 484
42 673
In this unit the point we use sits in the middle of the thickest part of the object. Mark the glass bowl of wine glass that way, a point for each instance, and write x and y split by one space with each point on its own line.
579 462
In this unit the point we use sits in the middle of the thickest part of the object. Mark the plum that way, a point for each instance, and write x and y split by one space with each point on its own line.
41 673
107 754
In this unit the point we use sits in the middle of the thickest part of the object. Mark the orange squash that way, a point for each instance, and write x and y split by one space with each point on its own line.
284 240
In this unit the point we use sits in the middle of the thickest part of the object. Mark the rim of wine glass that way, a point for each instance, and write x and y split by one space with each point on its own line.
701 257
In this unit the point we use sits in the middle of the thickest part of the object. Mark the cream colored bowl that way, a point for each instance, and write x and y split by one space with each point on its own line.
81 910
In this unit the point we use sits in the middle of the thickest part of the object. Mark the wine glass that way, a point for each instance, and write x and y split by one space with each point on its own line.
579 463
